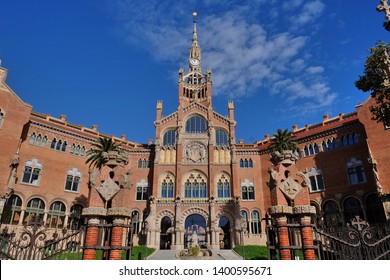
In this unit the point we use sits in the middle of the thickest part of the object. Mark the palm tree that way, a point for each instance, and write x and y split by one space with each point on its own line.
96 156
283 141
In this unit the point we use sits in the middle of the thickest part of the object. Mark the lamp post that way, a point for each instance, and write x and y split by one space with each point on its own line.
242 241
143 225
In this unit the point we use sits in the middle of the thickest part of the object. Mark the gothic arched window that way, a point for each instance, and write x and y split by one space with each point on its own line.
244 216
255 222
167 187
35 209
356 174
56 217
352 208
32 172
247 190
316 180
75 221
195 186
331 214
73 178
221 137
223 187
196 124
12 210
169 138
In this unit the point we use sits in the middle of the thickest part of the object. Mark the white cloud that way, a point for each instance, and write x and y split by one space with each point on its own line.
246 58
315 70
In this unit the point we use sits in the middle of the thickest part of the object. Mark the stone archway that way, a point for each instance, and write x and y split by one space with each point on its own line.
165 233
195 225
224 236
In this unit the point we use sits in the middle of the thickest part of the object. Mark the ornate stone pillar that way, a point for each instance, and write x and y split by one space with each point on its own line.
118 221
93 215
279 214
116 238
177 225
305 213
22 213
283 237
215 238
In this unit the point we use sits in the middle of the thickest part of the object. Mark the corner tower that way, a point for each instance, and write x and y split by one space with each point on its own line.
194 85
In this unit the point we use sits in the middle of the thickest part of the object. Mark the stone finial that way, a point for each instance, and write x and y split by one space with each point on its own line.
384 7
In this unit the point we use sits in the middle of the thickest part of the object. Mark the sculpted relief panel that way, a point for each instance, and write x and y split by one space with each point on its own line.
195 152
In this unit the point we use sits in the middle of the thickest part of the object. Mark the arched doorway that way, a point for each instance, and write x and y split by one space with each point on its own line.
195 225
352 208
165 237
224 237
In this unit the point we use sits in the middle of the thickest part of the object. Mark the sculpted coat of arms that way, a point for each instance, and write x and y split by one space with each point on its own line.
195 152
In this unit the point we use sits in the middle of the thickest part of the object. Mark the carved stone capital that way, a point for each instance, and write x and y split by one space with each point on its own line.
118 221
94 211
119 212
280 210
306 210
93 221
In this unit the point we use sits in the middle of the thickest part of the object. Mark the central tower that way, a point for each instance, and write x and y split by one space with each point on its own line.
193 165
194 85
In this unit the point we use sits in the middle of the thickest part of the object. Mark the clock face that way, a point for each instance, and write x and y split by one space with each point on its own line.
194 61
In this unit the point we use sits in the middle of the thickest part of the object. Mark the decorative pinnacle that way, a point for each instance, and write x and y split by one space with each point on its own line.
195 35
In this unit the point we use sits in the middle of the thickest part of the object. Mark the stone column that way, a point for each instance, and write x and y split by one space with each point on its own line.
93 215
279 214
283 237
119 215
305 213
22 212
116 238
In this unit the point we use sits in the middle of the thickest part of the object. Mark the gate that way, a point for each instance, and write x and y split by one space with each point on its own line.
36 242
356 241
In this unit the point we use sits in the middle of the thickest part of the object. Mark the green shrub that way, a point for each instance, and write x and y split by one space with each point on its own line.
194 250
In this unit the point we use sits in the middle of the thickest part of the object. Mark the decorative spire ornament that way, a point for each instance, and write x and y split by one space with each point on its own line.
384 7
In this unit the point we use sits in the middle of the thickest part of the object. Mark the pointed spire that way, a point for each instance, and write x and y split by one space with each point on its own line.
195 58
194 33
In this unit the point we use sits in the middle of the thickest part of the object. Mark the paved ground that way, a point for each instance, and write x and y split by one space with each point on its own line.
217 255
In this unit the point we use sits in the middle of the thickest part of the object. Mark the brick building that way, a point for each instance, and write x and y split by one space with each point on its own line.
194 176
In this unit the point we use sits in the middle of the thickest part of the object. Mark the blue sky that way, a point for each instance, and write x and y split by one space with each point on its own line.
109 62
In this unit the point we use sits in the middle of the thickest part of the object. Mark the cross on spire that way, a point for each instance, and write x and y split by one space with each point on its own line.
384 7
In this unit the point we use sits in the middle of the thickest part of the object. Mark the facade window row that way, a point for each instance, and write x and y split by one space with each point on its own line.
335 214
58 145
246 163
355 173
196 124
56 217
252 224
33 171
195 186
143 163
329 144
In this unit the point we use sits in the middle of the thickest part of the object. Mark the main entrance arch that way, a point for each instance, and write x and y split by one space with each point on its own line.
224 237
165 236
195 225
